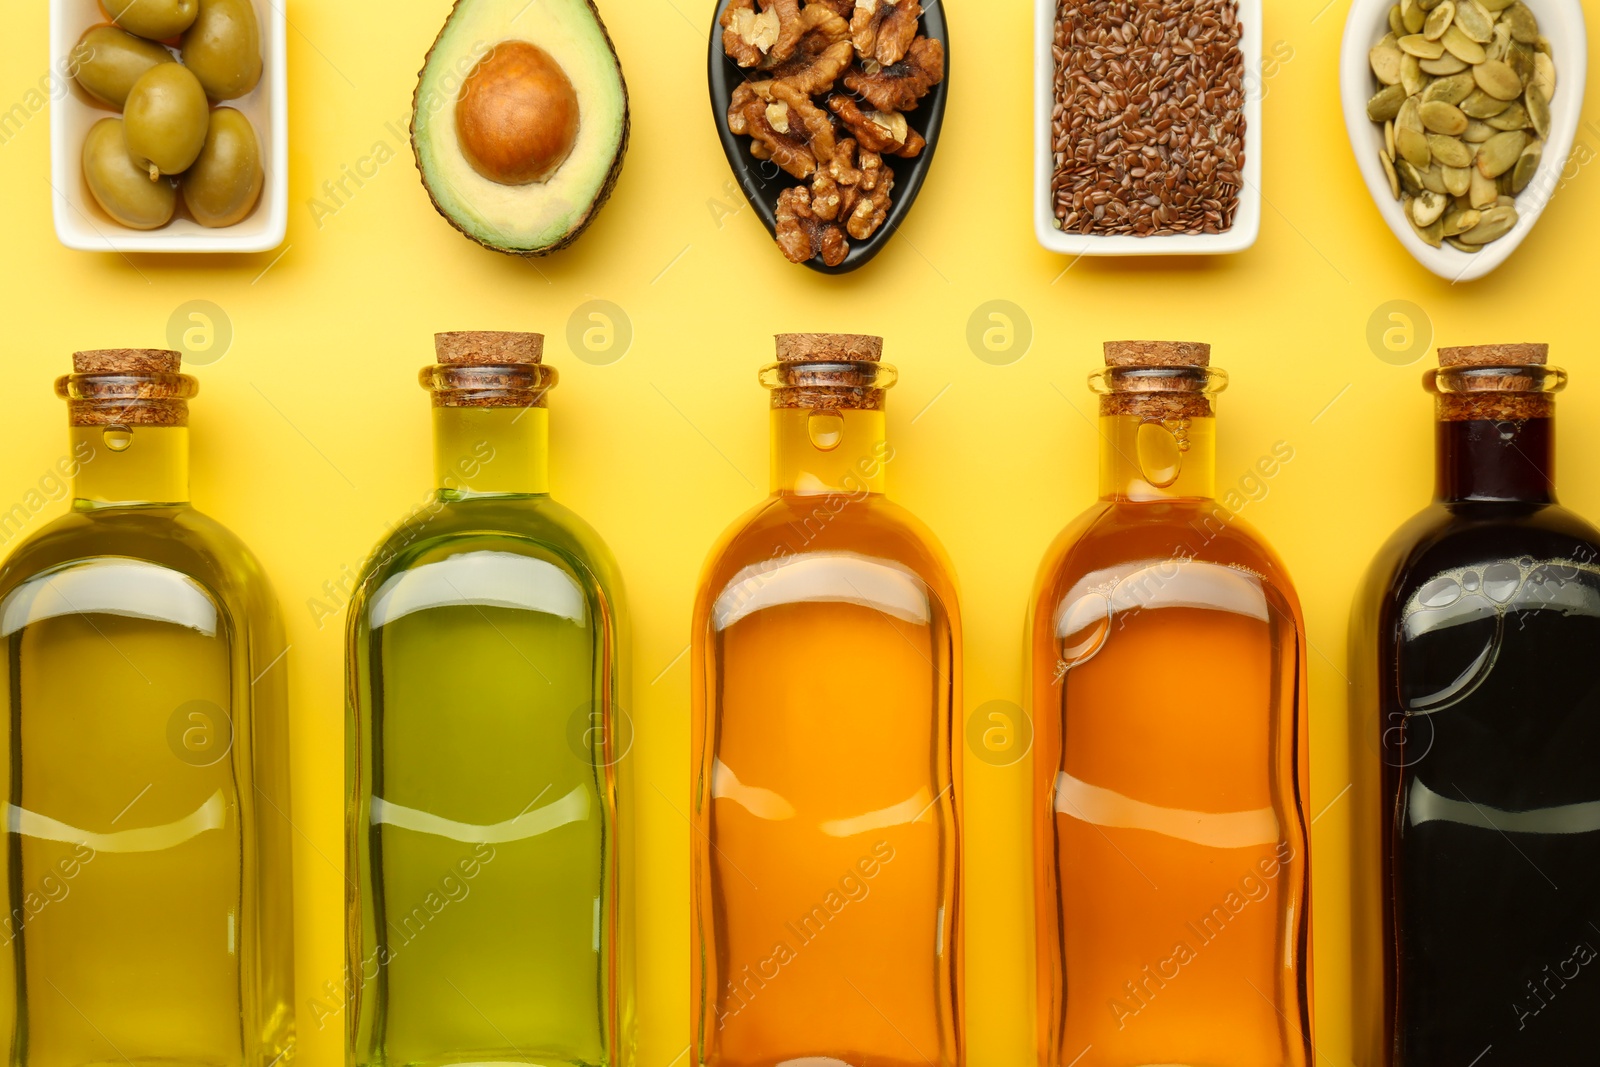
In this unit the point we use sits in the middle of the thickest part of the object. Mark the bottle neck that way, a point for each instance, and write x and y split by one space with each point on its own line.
1505 461
491 451
130 467
1150 459
828 452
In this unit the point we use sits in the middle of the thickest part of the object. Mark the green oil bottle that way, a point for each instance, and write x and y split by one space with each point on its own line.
490 907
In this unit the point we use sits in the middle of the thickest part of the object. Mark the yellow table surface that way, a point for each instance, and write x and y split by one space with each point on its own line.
311 435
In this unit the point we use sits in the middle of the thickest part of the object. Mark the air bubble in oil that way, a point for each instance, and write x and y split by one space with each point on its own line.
1161 446
826 429
117 438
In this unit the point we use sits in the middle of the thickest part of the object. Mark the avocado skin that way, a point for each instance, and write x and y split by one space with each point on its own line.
600 198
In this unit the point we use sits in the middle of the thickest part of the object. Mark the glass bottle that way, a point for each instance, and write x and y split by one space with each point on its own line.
1478 818
1168 689
826 666
147 860
489 907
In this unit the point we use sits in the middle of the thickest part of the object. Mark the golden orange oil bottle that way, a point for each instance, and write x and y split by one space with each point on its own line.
826 664
1168 689
147 866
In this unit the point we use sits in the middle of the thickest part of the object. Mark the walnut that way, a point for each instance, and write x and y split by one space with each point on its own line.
770 35
858 194
878 131
843 8
743 94
822 54
882 30
802 236
798 134
901 86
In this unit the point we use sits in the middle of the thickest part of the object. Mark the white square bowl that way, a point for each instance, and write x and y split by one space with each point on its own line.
81 224
1561 21
1247 221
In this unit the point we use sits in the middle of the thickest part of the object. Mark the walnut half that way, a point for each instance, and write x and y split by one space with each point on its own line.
802 236
796 134
901 86
878 131
884 29
770 35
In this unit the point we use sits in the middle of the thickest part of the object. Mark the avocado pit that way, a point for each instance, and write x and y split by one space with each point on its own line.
517 116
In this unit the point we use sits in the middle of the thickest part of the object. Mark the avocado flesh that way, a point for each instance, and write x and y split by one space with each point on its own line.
528 220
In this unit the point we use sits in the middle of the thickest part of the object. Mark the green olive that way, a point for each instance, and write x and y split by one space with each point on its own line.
165 119
155 20
119 185
223 48
225 182
107 61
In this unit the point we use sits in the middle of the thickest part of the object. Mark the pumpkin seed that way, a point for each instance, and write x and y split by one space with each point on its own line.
1480 105
1500 43
1524 27
1495 224
1447 119
1459 220
1412 17
1450 152
1543 45
1527 166
1495 6
1520 59
1420 46
1457 180
1499 153
1444 65
1386 104
1495 77
1410 177
1538 106
1428 208
1390 173
1478 132
1413 146
1429 5
1502 186
1544 75
1397 25
1431 235
1385 61
1433 180
1474 21
1388 139
1451 90
1462 47
1439 20
1483 192
1514 117
1459 246
1412 77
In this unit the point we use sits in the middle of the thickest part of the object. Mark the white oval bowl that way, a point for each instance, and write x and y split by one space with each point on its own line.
1559 20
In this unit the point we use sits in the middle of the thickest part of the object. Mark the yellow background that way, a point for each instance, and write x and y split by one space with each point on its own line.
311 435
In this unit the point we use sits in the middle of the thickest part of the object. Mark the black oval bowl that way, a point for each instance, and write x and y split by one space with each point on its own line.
762 181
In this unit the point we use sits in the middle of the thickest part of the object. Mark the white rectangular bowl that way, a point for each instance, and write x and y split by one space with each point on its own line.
81 224
1247 221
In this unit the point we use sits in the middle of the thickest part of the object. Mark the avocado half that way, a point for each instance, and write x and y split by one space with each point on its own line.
492 122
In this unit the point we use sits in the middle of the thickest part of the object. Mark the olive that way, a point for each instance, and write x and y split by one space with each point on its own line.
155 20
119 185
166 119
223 48
107 61
225 182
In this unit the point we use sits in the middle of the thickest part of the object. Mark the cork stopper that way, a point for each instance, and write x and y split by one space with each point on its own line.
829 372
488 348
1157 354
127 387
127 362
1513 396
1157 396
1522 355
829 348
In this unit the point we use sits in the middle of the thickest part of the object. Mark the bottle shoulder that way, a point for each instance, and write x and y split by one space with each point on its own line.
1115 538
531 526
180 539
789 528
